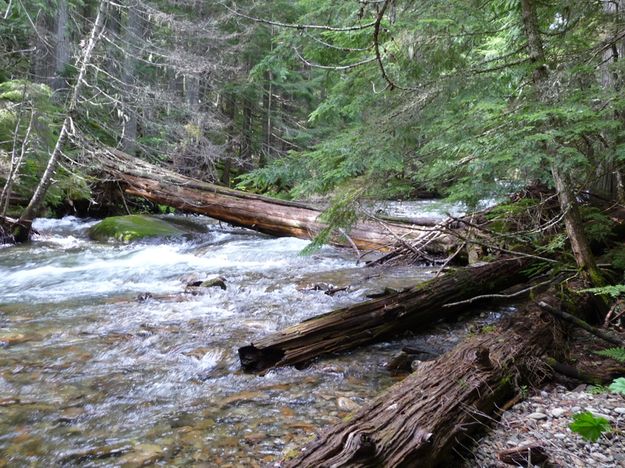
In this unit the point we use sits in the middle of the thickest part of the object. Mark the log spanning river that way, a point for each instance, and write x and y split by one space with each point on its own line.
106 360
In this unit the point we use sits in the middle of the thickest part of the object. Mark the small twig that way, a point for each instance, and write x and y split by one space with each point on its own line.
500 296
412 248
352 243
618 316
123 198
501 249
6 13
357 27
449 259
332 67
580 323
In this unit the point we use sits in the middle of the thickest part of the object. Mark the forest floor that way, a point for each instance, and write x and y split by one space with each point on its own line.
544 417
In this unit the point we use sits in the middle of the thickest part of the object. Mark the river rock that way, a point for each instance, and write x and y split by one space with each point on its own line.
537 416
345 404
218 282
132 227
142 455
199 286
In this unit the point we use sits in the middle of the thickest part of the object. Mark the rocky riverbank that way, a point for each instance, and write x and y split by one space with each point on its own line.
543 419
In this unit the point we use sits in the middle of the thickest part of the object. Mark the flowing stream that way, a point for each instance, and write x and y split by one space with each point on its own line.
105 360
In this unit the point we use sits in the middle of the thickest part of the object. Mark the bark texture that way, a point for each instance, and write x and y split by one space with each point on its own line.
439 408
378 319
260 213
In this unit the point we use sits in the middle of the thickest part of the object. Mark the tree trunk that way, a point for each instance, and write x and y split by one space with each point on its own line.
257 212
379 319
440 408
62 46
23 227
610 177
229 111
132 33
42 65
568 205
245 154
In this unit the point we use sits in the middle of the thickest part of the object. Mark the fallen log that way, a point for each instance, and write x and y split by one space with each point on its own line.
260 213
381 318
439 408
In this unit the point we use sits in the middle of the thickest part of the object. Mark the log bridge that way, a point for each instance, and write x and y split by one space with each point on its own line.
264 214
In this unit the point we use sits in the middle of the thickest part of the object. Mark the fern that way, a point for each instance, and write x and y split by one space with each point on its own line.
612 291
597 389
618 354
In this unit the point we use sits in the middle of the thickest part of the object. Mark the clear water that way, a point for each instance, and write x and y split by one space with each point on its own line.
92 374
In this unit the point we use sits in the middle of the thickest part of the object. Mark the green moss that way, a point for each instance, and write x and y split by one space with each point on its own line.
129 228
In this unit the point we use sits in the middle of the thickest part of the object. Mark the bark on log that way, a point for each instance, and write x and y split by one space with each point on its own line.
378 319
257 212
439 408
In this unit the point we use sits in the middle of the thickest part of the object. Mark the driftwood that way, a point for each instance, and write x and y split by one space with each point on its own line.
264 214
444 404
525 455
600 376
378 319
604 335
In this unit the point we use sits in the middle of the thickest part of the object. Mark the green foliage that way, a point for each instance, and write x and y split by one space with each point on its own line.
21 100
618 354
617 258
613 291
597 389
589 426
472 128
597 225
340 216
618 386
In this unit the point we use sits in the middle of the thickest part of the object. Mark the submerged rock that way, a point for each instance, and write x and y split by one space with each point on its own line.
199 286
132 227
142 455
347 404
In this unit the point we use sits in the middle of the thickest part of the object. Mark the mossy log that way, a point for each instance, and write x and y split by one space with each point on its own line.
260 213
423 420
381 318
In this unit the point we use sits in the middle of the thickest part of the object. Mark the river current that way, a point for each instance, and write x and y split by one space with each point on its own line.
107 360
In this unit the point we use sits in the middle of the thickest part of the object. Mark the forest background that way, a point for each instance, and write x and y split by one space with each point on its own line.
351 100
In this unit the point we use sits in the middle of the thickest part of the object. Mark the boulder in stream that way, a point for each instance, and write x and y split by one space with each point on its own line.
132 227
200 286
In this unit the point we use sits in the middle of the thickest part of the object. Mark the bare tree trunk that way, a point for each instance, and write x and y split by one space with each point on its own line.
246 138
132 32
611 177
23 227
568 205
192 91
62 45
267 124
16 158
42 68
229 110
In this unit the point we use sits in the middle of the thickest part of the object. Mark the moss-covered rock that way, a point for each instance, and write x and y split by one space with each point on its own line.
129 228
